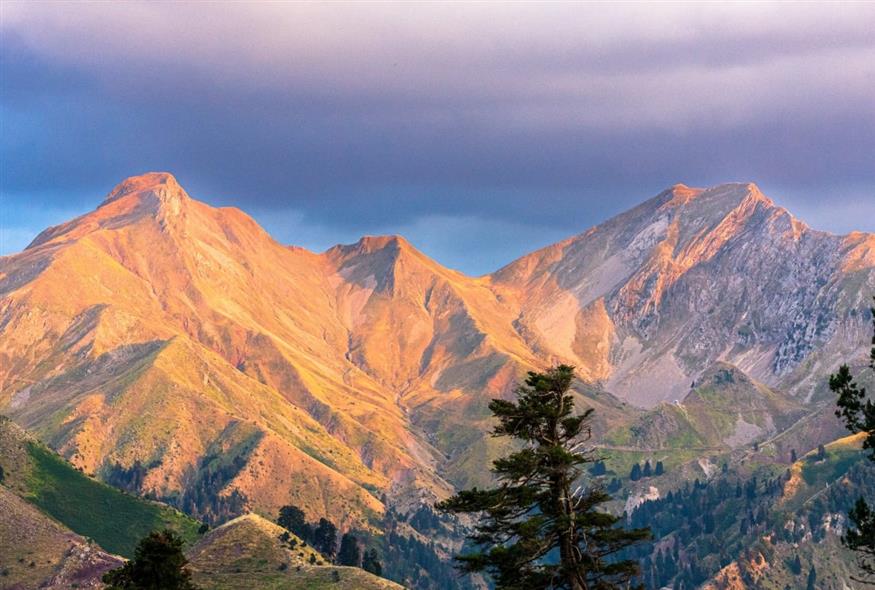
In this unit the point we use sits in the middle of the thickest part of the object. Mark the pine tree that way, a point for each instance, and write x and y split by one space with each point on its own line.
796 565
660 469
599 468
858 414
350 553
325 538
293 520
537 529
648 470
158 563
812 579
862 537
615 485
371 562
635 474
793 455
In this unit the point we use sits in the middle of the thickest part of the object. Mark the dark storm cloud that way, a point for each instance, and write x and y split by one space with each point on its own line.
497 128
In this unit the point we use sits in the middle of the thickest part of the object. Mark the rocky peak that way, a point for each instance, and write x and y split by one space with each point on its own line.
381 252
372 244
161 185
155 195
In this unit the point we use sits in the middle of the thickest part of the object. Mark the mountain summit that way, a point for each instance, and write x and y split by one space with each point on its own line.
176 348
690 277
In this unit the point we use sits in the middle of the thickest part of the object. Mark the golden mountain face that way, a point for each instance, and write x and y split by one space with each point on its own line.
161 332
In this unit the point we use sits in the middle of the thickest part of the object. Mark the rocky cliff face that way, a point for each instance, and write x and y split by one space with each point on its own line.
159 333
691 277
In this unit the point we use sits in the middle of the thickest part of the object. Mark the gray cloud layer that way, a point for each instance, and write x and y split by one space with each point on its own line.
481 130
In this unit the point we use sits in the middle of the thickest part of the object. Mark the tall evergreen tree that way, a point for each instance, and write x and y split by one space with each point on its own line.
635 474
158 564
796 565
858 414
325 538
538 529
293 520
371 562
812 579
350 552
598 469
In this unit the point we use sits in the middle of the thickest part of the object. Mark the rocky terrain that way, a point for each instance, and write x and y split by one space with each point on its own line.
691 277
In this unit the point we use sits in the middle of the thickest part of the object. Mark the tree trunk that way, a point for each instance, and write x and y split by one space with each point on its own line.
561 492
568 555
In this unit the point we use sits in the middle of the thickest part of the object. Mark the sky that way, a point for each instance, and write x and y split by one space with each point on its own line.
479 131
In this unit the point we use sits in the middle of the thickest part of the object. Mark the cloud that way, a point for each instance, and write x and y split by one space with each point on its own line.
364 117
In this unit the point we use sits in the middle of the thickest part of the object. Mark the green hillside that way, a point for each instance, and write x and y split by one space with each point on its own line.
113 519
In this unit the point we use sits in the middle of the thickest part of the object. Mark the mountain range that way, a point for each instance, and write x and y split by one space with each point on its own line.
176 350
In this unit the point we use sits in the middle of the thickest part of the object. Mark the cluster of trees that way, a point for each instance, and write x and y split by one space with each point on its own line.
639 472
417 564
203 500
703 526
128 479
322 536
425 520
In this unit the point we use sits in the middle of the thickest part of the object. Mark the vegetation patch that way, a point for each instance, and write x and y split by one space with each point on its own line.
115 520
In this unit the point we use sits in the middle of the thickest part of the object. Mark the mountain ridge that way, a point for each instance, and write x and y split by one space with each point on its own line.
159 329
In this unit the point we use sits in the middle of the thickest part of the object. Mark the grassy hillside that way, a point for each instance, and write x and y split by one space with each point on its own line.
723 410
248 552
115 520
37 552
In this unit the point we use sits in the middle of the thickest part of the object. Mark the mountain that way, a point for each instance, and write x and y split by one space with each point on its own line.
159 330
177 351
691 277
